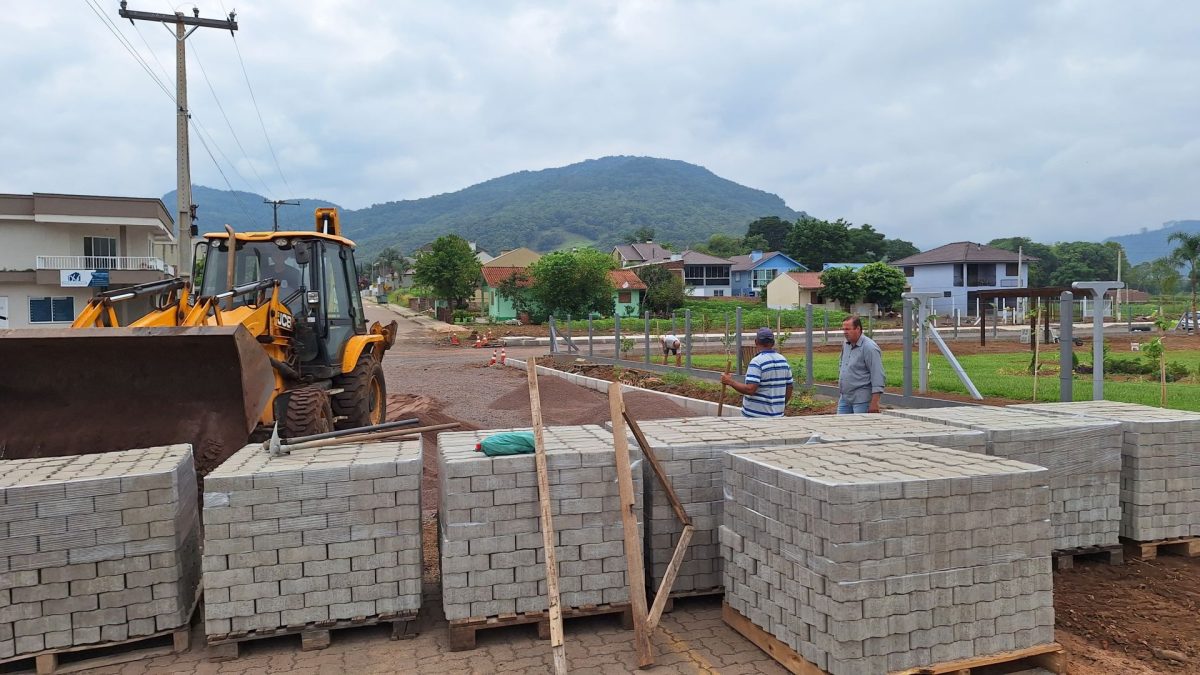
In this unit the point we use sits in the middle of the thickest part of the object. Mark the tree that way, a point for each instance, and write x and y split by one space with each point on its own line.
842 284
1083 261
449 267
773 229
756 242
864 243
1187 252
389 261
1040 272
882 284
640 235
723 246
573 282
664 289
812 242
895 249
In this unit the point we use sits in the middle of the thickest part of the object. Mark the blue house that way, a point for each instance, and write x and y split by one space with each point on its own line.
751 273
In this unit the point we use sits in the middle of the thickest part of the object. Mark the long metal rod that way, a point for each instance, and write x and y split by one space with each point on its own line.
908 308
349 432
1066 346
808 346
364 438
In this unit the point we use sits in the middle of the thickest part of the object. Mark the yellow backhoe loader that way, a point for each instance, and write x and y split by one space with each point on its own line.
270 330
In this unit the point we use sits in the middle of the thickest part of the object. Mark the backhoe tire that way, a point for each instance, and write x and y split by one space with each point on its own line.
363 400
308 412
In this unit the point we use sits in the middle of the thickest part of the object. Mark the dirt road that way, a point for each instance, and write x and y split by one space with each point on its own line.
1140 618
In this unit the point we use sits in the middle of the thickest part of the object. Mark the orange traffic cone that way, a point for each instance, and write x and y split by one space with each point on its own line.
454 339
503 356
493 361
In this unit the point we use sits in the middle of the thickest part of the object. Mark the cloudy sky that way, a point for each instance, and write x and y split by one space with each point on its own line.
932 120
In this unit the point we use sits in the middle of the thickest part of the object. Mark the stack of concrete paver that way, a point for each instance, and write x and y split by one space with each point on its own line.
492 553
1082 454
691 450
324 534
871 558
96 548
1160 468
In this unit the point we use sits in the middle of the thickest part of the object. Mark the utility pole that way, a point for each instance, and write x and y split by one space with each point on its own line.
275 204
183 193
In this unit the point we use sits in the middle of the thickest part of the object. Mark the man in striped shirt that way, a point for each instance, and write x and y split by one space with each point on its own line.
768 385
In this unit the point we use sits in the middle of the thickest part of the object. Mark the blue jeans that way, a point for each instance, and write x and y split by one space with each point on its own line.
846 407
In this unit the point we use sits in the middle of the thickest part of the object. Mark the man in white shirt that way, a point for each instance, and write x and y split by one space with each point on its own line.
671 345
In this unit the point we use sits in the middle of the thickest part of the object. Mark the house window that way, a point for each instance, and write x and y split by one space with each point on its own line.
981 275
718 293
958 275
100 252
909 271
51 310
1012 270
625 297
706 275
763 277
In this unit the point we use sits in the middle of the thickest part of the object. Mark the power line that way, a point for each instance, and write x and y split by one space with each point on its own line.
259 112
112 28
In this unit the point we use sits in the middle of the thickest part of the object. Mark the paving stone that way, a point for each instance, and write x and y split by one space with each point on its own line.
800 563
321 522
492 554
76 527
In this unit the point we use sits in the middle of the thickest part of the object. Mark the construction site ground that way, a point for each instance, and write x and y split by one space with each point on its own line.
1143 617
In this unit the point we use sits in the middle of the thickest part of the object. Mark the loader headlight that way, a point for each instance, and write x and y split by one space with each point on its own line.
314 298
282 242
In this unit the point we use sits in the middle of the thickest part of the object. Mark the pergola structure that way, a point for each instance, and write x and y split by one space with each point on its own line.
1047 292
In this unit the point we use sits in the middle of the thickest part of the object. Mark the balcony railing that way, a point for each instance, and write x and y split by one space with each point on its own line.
99 262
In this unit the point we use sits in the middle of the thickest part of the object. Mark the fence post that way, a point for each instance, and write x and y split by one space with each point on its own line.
569 343
957 321
908 309
591 347
617 337
687 339
1066 346
553 336
825 314
647 336
808 346
737 340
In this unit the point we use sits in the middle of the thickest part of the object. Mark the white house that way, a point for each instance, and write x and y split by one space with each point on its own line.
57 251
959 270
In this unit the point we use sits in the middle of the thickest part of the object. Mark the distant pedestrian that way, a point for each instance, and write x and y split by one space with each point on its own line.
670 345
768 385
860 371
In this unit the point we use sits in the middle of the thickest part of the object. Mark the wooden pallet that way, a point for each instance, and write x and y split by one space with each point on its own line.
1113 554
462 631
694 593
1049 657
1188 547
85 657
313 635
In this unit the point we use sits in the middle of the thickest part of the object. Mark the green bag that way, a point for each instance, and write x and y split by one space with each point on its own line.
507 443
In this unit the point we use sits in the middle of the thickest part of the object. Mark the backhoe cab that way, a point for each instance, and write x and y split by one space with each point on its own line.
271 330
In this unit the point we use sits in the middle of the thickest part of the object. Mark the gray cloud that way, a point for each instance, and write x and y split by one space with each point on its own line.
932 120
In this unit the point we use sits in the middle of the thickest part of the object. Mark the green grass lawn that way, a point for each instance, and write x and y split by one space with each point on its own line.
1006 376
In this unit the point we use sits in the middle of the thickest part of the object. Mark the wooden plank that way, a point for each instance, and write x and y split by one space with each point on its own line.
1043 654
652 460
635 569
668 580
721 400
1149 550
556 628
783 655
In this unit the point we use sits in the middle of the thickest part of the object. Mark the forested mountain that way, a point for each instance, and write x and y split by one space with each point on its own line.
592 202
244 210
1152 244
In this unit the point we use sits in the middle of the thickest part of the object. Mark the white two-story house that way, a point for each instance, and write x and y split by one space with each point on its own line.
57 251
959 270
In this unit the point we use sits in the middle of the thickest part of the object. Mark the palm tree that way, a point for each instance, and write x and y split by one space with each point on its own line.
1188 251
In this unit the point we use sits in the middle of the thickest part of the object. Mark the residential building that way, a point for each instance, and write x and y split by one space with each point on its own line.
628 291
517 257
793 290
704 276
751 273
57 251
959 270
627 255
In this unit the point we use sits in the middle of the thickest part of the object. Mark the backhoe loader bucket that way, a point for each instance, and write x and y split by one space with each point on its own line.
82 391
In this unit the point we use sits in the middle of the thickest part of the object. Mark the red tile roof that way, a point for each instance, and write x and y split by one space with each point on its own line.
961 252
494 276
626 280
807 279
